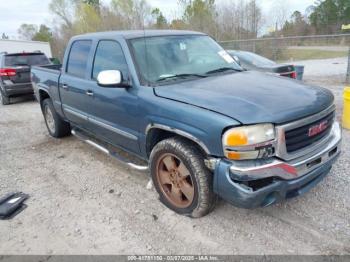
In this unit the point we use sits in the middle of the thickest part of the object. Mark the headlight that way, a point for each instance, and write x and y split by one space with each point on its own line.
249 142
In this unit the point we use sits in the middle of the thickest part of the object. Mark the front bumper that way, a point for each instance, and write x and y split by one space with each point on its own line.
258 183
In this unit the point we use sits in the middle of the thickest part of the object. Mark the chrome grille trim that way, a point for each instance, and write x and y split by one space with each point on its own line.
281 149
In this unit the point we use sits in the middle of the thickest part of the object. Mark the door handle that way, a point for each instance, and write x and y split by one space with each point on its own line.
89 93
65 86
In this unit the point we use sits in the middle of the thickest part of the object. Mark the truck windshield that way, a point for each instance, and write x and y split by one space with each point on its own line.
26 59
170 58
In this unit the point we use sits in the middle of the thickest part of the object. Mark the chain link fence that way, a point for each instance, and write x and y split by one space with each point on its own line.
296 48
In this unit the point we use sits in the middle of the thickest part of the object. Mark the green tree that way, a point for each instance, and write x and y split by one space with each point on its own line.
31 32
95 4
27 31
178 24
44 34
87 19
161 21
297 17
296 26
328 16
134 13
254 14
64 10
201 15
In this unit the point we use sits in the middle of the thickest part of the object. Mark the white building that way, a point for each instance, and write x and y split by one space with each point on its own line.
19 46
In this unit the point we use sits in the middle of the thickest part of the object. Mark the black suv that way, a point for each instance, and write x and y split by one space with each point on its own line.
15 73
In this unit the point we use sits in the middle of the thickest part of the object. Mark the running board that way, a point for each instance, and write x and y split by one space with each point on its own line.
117 156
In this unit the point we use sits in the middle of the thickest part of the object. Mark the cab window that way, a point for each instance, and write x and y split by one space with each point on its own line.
78 58
109 56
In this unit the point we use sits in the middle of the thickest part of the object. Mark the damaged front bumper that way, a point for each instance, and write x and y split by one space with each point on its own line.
259 183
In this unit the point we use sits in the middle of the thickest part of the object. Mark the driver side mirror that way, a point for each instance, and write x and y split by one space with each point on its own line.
111 78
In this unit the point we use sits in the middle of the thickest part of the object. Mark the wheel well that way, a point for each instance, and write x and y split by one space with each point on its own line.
156 135
42 96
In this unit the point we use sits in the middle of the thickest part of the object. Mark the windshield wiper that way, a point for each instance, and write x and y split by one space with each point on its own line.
180 76
222 69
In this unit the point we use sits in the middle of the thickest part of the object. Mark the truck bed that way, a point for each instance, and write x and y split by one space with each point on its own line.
46 78
48 67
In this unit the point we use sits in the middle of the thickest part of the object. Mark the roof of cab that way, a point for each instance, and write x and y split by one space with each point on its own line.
130 34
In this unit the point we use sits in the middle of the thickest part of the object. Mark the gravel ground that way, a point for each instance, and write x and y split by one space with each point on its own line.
83 202
334 67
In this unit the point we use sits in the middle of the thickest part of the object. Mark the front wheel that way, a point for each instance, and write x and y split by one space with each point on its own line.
56 126
183 182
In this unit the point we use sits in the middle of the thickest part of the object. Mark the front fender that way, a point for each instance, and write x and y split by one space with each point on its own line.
183 130
200 125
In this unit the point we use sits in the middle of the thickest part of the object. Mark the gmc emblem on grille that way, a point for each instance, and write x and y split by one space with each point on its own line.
315 130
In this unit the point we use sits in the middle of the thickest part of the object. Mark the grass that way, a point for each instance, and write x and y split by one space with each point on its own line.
304 54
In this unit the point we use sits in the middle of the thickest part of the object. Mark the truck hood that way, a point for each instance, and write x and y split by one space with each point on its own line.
251 97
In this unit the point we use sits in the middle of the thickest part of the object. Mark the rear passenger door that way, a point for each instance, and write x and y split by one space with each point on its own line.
73 83
113 111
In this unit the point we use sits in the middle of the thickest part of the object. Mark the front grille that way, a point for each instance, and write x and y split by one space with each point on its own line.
299 138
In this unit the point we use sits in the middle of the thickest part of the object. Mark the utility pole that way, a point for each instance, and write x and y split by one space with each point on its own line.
347 27
347 81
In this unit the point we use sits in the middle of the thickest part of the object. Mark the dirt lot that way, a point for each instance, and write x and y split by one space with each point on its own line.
83 202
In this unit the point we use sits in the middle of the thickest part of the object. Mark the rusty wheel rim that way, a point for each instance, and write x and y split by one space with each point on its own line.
175 181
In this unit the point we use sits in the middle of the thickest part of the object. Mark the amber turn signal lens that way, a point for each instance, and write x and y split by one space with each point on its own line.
233 155
242 155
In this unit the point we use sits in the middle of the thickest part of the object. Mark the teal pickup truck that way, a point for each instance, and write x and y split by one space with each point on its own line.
203 127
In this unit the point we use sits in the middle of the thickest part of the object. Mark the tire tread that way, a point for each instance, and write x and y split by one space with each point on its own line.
189 151
62 127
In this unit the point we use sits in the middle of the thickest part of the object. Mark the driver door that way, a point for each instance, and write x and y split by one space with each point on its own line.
113 111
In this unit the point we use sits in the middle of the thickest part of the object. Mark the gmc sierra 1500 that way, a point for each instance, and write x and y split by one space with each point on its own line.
203 126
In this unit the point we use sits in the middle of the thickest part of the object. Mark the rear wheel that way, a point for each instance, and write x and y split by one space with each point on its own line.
4 100
182 180
56 126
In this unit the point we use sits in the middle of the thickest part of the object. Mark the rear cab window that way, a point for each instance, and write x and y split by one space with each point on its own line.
26 59
78 58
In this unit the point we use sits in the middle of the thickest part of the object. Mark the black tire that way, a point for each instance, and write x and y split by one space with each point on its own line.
201 178
5 100
56 126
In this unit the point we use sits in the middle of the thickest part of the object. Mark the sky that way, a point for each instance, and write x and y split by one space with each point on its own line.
16 12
